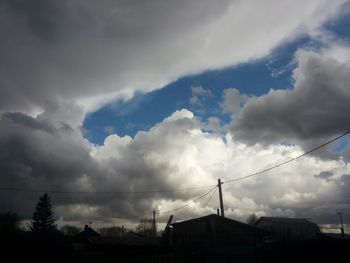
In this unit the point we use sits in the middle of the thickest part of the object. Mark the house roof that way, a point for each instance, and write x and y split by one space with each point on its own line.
216 218
285 220
87 233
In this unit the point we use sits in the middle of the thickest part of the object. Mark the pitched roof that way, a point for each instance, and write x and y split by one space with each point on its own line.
284 220
87 233
217 218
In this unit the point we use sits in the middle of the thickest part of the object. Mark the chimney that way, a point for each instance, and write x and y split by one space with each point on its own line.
86 227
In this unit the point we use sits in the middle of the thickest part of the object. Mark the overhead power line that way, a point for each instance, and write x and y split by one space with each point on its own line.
288 161
17 189
176 206
188 203
198 210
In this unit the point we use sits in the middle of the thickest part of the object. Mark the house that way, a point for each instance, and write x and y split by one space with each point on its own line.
214 238
215 229
289 228
86 234
90 246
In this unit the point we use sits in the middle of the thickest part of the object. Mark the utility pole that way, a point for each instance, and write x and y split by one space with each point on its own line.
166 236
123 231
220 198
341 222
154 223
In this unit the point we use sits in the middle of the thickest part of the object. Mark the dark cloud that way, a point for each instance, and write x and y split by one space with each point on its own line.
96 51
39 15
36 155
315 110
48 154
55 55
78 49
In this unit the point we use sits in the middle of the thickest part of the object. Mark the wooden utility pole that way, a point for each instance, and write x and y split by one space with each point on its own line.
166 236
220 198
341 222
154 223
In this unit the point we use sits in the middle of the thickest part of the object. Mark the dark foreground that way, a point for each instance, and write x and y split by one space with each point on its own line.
59 248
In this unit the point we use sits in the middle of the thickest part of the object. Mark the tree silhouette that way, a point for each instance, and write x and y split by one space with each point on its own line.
8 224
43 220
145 227
113 231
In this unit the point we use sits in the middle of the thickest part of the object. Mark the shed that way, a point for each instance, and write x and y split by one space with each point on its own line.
282 228
215 229
214 238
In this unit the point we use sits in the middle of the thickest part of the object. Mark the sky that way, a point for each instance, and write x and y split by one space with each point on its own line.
107 105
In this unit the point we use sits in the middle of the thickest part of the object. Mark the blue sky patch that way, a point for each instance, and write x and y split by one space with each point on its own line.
253 78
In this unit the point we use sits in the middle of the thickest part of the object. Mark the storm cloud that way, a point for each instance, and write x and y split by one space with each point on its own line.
50 155
61 59
94 52
313 111
42 155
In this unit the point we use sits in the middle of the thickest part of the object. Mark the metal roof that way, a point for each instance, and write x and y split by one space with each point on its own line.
284 220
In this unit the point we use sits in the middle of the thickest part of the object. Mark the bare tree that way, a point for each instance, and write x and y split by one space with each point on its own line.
146 227
114 231
8 223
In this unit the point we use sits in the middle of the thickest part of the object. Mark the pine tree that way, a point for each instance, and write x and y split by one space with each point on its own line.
43 220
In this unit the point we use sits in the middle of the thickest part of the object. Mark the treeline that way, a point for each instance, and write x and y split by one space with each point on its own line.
43 223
